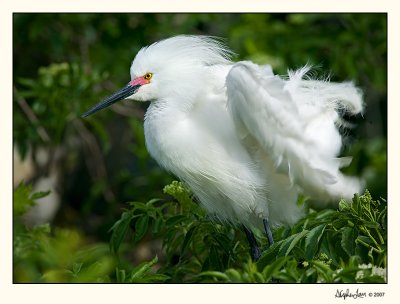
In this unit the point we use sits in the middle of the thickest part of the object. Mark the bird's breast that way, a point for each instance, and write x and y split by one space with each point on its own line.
167 137
192 141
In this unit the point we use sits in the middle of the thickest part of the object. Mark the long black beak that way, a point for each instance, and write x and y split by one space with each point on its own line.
126 91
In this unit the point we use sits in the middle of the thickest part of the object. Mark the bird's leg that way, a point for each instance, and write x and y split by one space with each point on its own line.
254 250
268 231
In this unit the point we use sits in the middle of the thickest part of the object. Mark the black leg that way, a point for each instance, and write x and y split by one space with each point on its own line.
268 231
254 250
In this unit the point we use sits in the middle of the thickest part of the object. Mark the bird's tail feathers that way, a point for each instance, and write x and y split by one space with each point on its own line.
312 166
343 97
320 178
294 120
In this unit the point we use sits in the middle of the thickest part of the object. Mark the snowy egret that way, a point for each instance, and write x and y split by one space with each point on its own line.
245 141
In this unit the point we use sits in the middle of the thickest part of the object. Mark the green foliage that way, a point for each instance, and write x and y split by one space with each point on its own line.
140 274
77 59
45 254
346 245
56 89
24 199
191 242
341 246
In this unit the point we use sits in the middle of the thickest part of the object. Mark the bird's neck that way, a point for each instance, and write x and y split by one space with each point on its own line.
163 111
161 121
165 118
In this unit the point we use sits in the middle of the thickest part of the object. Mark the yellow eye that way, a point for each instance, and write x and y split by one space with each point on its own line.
148 76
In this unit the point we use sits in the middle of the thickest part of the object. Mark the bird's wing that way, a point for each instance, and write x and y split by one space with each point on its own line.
295 122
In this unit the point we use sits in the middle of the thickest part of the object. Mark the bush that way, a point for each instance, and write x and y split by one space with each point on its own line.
98 164
347 245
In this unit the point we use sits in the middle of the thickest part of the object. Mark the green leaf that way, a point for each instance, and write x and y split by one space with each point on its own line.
121 275
223 241
153 201
348 240
175 220
234 275
76 267
158 223
364 240
269 271
187 239
141 226
347 275
40 194
27 82
94 271
372 280
215 259
269 255
344 205
25 199
216 274
22 199
141 270
290 242
327 246
324 270
326 214
312 241
119 230
152 278
258 278
291 270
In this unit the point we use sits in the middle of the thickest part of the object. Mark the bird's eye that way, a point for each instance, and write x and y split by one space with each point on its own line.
148 76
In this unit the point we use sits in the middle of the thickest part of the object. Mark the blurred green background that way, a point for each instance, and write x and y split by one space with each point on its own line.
65 63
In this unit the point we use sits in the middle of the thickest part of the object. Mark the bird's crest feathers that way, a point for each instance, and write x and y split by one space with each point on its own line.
186 49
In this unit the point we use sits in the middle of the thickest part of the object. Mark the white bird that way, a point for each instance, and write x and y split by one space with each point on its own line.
245 141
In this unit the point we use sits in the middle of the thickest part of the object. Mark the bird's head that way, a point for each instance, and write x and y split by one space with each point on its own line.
169 68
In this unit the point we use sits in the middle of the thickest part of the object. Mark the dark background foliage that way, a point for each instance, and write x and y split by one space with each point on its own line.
64 63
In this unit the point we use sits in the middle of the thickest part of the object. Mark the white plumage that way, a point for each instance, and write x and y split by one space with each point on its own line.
246 141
